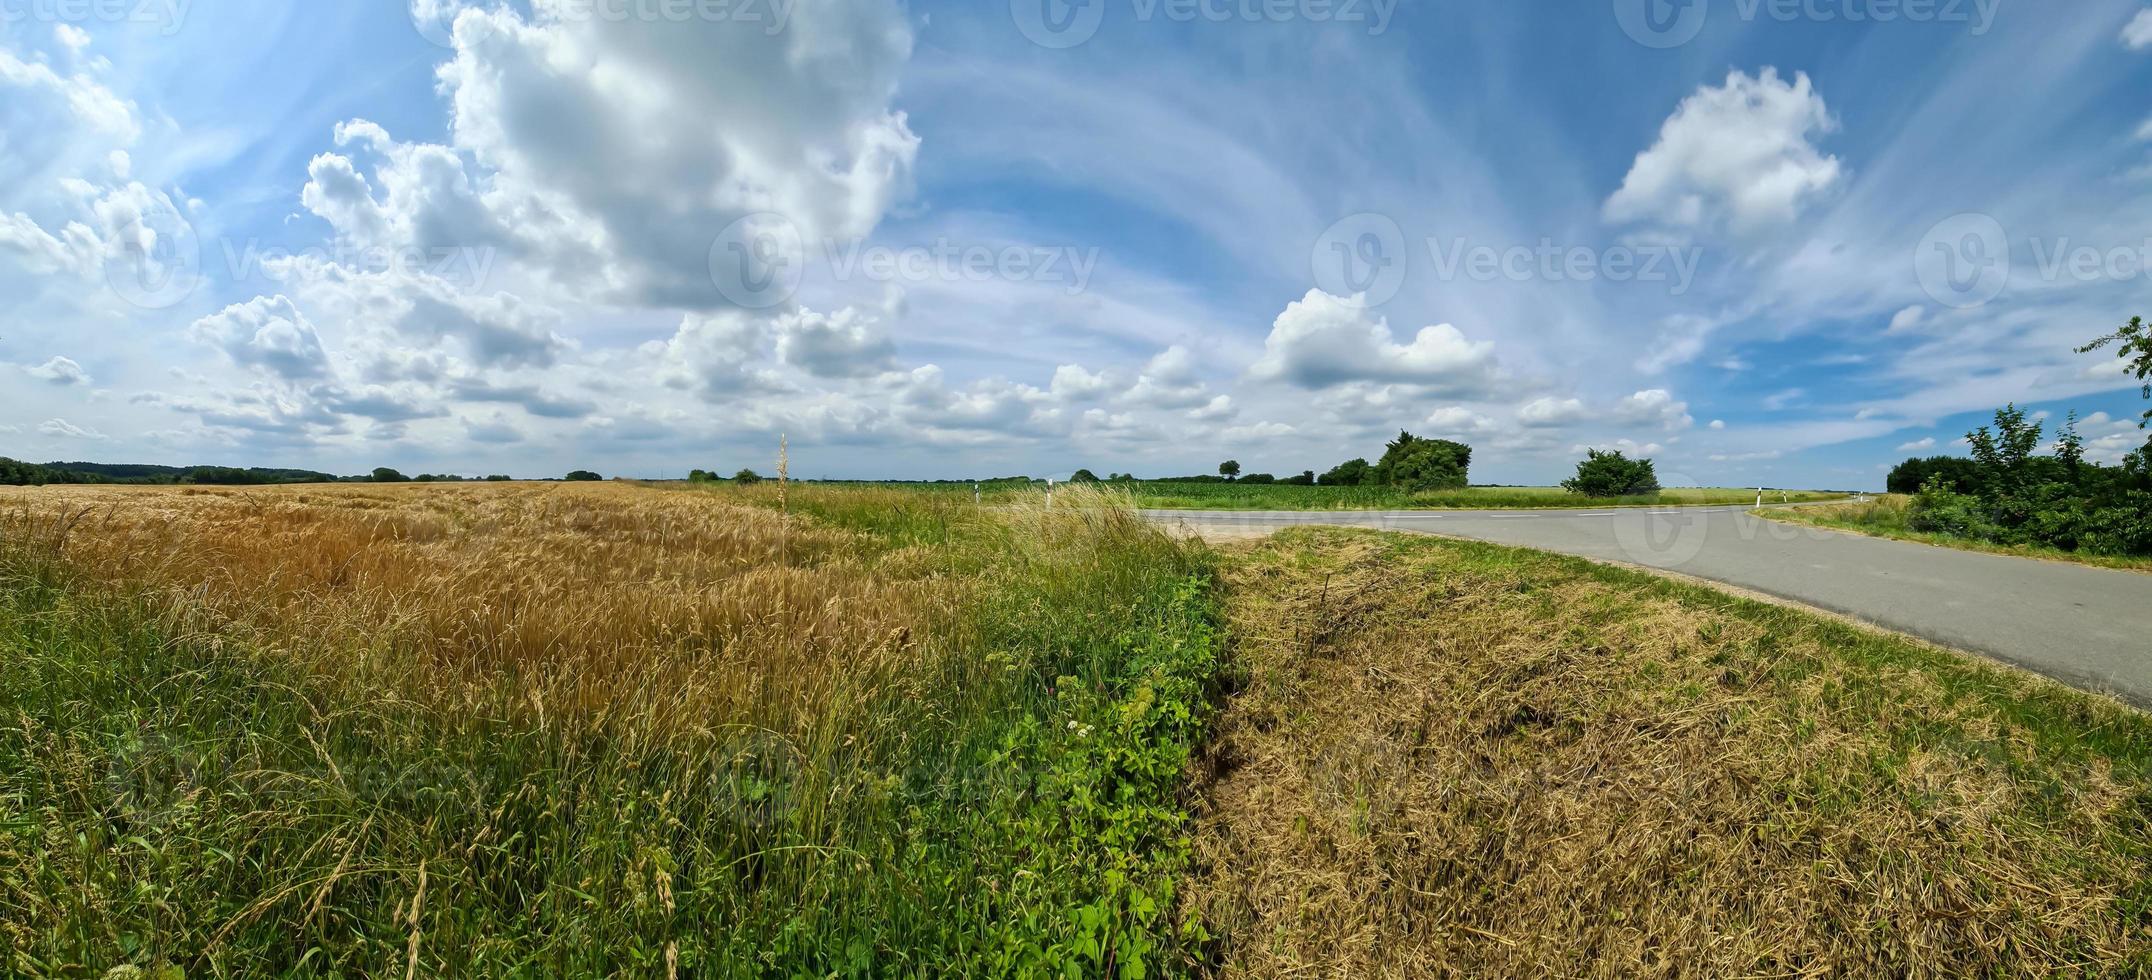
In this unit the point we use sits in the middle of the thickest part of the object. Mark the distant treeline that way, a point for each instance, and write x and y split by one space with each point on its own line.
17 473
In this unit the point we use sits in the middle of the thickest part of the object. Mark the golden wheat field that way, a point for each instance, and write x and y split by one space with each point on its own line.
603 602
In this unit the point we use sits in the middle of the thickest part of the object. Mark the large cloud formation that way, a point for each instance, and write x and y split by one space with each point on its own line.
616 150
1741 154
1323 341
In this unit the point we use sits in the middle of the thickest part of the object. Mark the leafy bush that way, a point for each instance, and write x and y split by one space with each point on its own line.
584 476
1414 463
1939 509
1955 471
1351 473
1612 474
2007 494
747 478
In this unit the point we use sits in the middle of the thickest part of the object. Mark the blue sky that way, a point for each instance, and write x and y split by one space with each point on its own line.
1783 243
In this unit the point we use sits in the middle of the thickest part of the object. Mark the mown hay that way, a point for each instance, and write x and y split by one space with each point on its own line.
1457 759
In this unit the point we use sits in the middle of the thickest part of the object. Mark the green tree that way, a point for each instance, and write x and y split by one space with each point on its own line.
1305 479
747 478
1613 474
584 476
1229 469
2070 449
1351 473
2132 343
1956 472
2004 455
1414 463
1083 476
383 474
222 476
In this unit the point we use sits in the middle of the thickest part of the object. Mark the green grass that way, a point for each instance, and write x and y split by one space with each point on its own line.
1239 496
171 796
1890 517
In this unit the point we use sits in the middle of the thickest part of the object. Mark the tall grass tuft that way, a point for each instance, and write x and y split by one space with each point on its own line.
592 729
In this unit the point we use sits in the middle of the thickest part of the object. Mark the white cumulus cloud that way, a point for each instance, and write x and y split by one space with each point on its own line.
1323 341
1548 413
1741 153
60 371
266 333
1655 407
2138 33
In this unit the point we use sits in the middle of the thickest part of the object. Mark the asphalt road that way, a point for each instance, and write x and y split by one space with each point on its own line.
2087 627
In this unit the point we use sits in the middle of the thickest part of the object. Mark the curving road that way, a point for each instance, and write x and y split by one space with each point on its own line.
2087 627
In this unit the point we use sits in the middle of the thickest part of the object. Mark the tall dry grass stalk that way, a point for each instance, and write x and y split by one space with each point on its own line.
604 604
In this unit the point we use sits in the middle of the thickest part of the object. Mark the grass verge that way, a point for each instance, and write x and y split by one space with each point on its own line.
1890 517
1239 496
1461 759
598 730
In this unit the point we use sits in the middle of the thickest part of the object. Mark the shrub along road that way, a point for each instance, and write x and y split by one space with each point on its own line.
2087 627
